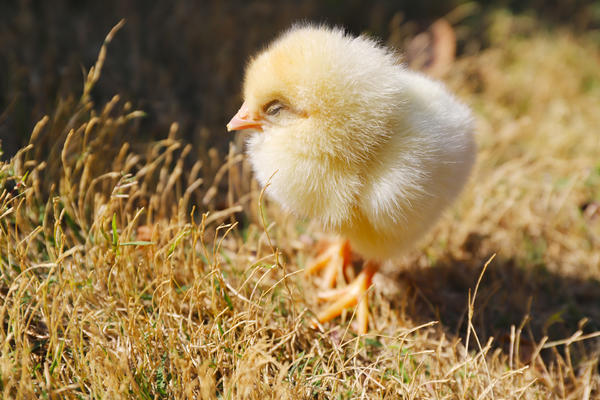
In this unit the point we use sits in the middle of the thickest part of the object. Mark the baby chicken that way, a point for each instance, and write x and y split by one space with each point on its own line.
345 134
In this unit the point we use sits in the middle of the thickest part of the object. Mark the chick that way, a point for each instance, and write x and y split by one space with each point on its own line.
344 134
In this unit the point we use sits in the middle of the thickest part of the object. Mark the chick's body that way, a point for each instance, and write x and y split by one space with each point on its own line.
372 150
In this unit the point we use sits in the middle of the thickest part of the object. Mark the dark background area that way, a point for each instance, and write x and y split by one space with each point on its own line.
183 61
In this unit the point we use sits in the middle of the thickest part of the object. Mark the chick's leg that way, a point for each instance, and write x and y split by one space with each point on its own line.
337 256
349 296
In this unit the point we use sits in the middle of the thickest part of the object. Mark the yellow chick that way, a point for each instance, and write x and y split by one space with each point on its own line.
345 134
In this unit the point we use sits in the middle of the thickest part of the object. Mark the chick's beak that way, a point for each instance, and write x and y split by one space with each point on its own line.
243 120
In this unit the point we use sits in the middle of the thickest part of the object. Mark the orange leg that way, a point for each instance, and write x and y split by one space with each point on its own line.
349 296
337 257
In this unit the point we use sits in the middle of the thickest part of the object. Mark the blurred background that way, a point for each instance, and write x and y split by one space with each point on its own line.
183 61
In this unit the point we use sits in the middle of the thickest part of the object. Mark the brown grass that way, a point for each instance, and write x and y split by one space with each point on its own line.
141 273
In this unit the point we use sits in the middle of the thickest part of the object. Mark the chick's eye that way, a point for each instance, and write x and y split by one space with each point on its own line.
273 107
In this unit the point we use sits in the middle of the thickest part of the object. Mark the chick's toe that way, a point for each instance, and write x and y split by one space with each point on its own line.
349 296
334 259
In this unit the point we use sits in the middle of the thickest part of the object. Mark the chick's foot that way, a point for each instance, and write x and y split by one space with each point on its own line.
335 258
349 296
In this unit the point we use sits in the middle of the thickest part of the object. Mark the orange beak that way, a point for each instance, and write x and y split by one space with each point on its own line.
243 120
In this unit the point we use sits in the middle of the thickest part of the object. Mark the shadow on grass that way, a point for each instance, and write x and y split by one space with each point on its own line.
510 293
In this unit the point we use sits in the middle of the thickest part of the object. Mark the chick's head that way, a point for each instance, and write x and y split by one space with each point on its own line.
326 92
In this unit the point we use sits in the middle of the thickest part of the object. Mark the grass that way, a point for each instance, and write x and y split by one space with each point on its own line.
143 273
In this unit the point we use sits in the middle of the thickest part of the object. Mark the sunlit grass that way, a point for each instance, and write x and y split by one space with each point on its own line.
143 273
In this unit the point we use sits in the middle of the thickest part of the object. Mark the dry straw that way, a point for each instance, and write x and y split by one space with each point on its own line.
151 274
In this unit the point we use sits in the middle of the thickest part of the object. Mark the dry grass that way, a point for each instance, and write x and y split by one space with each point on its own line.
139 273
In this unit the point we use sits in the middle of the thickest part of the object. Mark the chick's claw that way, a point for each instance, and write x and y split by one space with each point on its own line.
349 296
337 256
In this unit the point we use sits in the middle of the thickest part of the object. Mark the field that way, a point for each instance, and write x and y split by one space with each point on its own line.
141 271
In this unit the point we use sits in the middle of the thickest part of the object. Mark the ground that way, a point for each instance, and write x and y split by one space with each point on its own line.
139 272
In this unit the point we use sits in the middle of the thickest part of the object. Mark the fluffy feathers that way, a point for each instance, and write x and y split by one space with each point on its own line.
349 136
